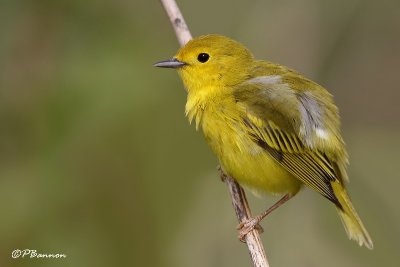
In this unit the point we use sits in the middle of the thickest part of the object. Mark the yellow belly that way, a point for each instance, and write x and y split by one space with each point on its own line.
244 160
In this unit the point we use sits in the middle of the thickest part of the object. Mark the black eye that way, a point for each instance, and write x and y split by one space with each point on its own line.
203 57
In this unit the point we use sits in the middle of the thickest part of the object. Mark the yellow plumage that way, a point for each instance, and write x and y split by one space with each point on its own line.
272 129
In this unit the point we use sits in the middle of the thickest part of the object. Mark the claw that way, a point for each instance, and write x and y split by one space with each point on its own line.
247 226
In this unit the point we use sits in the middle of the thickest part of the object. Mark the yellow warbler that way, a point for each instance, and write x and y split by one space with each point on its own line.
272 129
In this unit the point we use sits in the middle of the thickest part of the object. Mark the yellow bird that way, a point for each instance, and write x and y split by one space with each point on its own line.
272 129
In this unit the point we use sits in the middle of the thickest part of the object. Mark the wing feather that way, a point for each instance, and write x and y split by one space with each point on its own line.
312 167
287 124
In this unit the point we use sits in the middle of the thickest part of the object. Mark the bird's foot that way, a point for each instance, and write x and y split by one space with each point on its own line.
249 225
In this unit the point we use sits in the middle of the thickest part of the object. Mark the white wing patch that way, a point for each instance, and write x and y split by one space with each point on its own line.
321 133
311 118
270 79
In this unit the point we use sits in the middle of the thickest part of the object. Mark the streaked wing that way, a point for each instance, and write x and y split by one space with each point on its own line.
312 168
269 117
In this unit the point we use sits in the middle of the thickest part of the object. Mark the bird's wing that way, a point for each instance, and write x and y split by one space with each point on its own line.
270 118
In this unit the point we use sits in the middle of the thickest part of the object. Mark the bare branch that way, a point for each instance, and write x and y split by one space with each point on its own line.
238 196
178 22
243 213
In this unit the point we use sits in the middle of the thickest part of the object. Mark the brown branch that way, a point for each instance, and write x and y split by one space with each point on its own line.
243 213
238 196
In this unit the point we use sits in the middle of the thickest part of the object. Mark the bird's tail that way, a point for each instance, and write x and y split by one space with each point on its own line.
351 222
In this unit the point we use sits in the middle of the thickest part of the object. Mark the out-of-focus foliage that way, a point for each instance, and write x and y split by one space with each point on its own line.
98 162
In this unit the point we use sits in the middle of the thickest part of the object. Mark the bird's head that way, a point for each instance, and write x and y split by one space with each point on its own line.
211 60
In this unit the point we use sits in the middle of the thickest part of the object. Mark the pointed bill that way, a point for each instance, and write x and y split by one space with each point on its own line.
170 63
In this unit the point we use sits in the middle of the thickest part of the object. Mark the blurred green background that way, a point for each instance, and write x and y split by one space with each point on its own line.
97 160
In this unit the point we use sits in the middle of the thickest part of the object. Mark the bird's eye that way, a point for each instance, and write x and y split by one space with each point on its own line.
203 57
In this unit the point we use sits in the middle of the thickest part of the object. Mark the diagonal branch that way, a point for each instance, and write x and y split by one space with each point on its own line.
178 22
243 213
238 196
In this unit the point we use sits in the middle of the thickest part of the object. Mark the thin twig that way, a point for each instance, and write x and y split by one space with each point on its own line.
238 196
243 213
178 22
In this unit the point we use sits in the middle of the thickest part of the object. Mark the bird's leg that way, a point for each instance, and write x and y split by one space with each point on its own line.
247 226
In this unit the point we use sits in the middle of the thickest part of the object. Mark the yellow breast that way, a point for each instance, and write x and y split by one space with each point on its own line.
238 154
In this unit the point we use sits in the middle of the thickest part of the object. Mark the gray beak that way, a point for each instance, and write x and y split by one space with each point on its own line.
170 63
